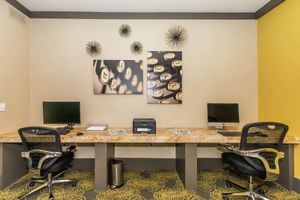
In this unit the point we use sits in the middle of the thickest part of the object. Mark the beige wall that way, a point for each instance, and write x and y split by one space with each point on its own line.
220 65
14 71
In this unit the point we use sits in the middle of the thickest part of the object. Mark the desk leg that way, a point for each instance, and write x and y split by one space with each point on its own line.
186 164
287 167
104 152
12 166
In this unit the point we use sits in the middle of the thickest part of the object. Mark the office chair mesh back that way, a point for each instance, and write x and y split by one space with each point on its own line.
264 135
40 138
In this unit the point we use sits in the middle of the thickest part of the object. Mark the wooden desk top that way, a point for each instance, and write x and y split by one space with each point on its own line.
163 135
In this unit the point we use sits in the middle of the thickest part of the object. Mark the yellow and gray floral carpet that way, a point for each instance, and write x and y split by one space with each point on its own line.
143 185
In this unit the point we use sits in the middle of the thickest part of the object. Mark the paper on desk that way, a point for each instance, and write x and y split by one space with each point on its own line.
96 127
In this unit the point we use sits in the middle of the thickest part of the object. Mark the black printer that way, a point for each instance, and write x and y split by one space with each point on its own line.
144 125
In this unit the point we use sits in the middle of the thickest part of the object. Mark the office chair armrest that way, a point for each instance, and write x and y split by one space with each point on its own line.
268 150
47 155
226 147
256 152
272 168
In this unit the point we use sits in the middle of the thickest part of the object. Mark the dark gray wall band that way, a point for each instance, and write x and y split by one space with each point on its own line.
19 7
267 8
168 16
154 16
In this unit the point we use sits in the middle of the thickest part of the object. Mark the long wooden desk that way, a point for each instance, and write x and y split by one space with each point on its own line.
12 166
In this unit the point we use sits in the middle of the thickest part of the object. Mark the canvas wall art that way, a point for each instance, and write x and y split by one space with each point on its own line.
164 75
118 77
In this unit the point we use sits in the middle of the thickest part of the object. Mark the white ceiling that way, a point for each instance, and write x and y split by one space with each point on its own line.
145 5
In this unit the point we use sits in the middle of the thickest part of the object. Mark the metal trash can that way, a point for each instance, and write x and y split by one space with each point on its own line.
116 174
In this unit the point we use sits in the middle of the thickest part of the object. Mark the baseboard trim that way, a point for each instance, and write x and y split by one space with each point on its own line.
83 164
210 163
163 164
150 163
296 185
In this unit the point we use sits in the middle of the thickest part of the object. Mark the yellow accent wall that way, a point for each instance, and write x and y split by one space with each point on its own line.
279 68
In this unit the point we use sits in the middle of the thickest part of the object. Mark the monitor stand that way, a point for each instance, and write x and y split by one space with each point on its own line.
220 128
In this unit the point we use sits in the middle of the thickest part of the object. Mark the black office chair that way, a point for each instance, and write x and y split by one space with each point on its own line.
257 156
45 159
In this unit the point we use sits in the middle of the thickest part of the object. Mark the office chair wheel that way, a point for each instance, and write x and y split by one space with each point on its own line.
261 191
74 184
51 197
228 184
225 198
31 184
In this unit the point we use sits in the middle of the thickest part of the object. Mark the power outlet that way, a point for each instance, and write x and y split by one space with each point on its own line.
2 106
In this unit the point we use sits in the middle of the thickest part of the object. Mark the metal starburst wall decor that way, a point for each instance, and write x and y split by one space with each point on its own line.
93 48
136 47
176 36
125 30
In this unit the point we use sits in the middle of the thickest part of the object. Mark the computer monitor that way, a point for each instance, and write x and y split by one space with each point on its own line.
61 113
223 114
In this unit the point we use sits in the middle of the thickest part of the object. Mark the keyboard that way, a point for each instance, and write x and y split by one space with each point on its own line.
230 133
63 131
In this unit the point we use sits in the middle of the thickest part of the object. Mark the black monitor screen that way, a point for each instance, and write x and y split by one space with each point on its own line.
223 112
61 112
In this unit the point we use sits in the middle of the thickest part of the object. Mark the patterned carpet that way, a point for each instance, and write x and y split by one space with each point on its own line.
143 185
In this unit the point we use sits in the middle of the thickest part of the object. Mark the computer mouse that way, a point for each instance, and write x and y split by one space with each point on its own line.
79 133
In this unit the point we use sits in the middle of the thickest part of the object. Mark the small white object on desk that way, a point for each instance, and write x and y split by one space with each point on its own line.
96 127
118 131
179 131
182 131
